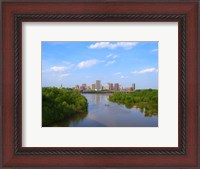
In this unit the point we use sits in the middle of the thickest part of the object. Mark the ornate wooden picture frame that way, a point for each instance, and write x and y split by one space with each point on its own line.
14 155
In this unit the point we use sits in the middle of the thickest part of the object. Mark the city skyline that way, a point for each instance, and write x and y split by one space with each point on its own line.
98 85
72 63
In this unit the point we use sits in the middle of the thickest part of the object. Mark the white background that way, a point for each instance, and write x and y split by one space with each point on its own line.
165 135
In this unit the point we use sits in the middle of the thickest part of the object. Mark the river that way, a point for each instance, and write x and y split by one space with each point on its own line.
103 113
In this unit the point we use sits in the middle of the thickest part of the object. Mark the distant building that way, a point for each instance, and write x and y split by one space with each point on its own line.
77 87
93 86
110 86
106 87
129 89
120 87
116 87
98 85
133 86
84 86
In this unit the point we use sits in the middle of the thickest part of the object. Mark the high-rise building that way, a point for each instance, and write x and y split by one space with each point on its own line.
120 87
84 86
93 86
116 86
133 86
106 87
98 85
110 86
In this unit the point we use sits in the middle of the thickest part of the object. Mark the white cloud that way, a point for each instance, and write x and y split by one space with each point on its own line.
108 56
115 56
114 45
65 75
118 73
110 62
68 66
154 50
88 63
112 56
62 76
148 70
123 77
58 68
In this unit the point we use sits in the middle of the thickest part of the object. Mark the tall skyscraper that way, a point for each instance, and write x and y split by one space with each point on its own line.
106 87
133 86
98 85
110 86
120 87
116 86
84 86
93 86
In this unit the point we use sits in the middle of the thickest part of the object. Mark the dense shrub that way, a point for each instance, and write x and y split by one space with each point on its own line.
57 104
146 100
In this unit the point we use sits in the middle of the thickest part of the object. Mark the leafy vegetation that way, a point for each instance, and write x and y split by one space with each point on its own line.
145 100
59 104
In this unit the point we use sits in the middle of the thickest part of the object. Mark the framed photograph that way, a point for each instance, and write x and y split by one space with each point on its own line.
70 86
100 84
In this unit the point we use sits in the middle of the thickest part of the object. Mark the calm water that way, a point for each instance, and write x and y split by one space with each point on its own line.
103 113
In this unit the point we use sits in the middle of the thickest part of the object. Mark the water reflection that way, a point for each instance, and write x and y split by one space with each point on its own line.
149 110
103 113
76 119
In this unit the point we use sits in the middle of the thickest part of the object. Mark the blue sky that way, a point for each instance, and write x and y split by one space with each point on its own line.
72 63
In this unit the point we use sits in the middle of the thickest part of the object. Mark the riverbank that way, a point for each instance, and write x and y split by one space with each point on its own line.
101 115
146 100
59 104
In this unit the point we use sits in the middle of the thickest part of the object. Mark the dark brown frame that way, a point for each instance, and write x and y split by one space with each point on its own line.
14 155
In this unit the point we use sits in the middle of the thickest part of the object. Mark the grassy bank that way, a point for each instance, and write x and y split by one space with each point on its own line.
146 100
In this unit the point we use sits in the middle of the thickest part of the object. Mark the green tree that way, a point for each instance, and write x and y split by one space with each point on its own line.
146 100
58 104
